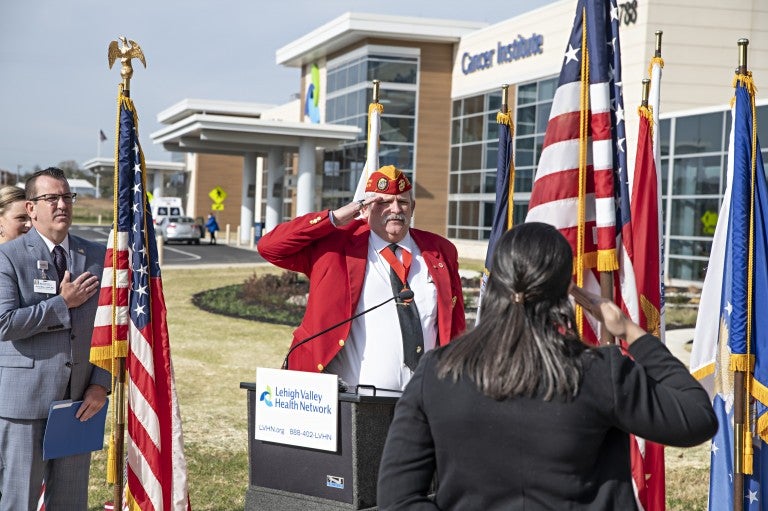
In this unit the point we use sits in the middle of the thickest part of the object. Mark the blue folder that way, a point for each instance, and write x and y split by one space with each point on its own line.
66 435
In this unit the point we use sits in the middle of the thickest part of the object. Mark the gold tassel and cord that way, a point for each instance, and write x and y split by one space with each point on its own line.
655 60
111 451
583 124
746 362
506 119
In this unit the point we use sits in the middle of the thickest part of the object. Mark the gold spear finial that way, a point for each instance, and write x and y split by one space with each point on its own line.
125 52
743 43
646 90
504 98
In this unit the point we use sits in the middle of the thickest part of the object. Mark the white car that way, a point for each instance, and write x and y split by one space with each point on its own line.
178 228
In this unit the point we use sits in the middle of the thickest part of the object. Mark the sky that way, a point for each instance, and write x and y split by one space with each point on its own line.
57 91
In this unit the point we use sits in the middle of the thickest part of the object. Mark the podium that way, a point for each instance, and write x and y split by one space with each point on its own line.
285 477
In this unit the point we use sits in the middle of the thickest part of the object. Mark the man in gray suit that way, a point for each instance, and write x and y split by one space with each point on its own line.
48 299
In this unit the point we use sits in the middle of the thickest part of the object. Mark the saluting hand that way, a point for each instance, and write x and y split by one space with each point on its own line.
349 212
604 310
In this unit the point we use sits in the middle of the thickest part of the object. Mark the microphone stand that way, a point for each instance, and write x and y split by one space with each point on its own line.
404 295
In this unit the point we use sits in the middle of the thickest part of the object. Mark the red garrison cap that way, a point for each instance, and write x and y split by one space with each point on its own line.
389 180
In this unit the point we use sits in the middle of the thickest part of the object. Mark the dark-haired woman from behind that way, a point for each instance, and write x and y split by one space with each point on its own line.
519 414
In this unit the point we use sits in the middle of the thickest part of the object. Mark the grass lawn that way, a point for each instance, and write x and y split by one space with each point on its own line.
212 354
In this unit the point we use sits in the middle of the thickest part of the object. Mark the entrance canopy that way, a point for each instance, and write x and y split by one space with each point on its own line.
201 126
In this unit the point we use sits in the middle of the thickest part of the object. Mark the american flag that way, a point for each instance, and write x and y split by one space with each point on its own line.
581 185
583 157
131 323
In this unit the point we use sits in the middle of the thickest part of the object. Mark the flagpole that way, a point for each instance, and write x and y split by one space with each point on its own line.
511 190
654 101
118 375
739 376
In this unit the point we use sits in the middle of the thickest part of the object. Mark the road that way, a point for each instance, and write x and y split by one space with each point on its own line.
176 254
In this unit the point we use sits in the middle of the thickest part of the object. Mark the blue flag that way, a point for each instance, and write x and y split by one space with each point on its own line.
742 336
502 214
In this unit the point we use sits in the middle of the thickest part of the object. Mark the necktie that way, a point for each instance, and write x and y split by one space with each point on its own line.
407 312
60 261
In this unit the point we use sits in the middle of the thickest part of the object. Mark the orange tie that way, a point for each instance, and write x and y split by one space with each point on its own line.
400 268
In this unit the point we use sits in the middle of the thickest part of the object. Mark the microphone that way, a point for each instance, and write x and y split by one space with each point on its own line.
406 295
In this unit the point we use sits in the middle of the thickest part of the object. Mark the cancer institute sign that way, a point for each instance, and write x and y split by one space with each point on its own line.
519 48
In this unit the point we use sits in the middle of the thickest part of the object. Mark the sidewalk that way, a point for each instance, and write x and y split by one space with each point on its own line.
678 342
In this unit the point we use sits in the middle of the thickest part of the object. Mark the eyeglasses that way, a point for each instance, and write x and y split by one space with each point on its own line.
53 198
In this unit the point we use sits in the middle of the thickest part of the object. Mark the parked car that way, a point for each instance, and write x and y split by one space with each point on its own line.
179 228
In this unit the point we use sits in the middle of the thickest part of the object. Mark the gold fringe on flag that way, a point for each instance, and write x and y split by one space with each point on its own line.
703 372
504 118
741 362
130 501
760 392
655 60
377 107
588 260
607 260
647 112
749 84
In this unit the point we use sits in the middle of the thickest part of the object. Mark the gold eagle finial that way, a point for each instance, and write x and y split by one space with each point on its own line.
128 50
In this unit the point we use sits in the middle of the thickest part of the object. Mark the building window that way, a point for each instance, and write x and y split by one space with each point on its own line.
350 91
474 150
694 158
474 153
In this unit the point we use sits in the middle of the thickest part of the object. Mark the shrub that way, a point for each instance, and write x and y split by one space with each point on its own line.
268 298
277 289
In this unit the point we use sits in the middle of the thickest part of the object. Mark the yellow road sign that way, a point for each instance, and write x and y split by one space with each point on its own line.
217 195
709 222
217 207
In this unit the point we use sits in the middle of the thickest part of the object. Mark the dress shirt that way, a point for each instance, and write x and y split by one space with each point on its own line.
64 244
373 353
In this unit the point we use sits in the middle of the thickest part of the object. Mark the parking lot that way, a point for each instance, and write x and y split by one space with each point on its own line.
183 254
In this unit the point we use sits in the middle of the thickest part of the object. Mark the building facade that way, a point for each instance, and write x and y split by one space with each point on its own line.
441 89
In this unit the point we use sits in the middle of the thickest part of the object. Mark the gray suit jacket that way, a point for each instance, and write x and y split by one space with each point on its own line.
43 344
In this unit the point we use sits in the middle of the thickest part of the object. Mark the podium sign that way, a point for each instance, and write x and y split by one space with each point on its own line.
297 408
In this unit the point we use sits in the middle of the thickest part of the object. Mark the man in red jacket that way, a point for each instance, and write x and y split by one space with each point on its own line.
356 257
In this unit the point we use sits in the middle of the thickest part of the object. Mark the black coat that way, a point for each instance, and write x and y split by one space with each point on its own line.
531 454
